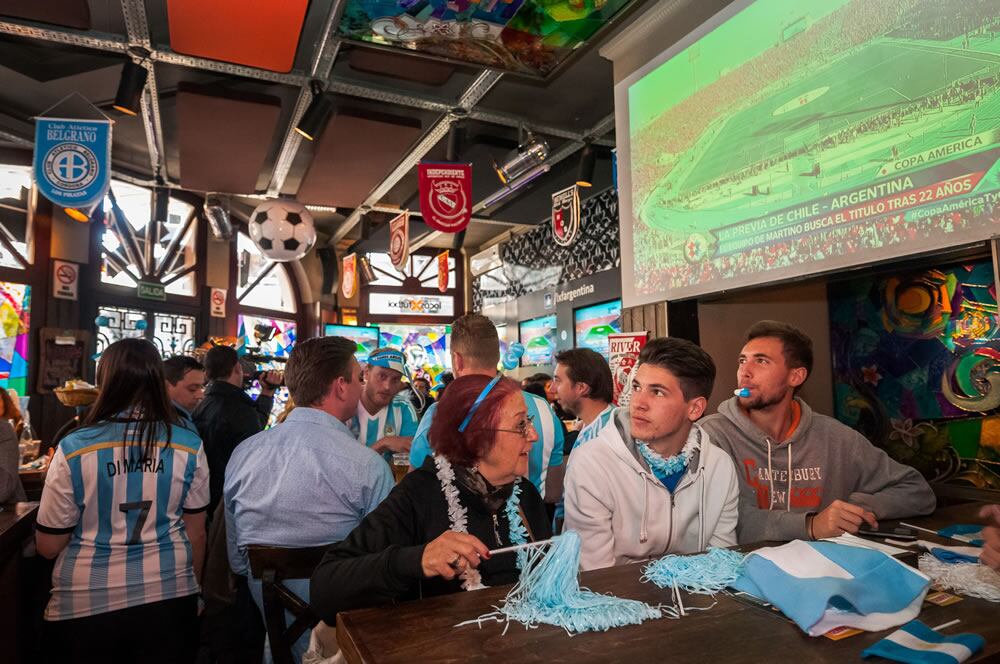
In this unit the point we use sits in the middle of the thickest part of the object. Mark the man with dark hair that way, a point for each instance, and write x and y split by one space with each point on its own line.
306 482
185 378
651 482
227 415
803 475
475 350
584 388
422 386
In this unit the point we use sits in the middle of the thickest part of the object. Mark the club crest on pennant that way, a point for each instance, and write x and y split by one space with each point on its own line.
399 240
445 196
348 283
566 215
443 271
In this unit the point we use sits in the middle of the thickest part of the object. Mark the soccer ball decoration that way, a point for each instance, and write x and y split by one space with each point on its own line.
283 229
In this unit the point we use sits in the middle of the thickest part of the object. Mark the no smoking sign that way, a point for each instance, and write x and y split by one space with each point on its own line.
218 302
66 284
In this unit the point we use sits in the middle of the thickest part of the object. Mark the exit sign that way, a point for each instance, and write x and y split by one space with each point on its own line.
148 291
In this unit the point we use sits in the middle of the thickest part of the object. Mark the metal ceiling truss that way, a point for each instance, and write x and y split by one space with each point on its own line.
564 152
137 27
322 65
472 95
117 44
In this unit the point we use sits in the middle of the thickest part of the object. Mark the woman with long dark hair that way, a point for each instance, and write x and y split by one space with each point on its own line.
123 509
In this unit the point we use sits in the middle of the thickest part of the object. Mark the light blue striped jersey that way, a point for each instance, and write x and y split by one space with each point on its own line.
547 452
123 513
399 418
589 432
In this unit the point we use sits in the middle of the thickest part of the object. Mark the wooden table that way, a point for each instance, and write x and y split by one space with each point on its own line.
423 631
17 521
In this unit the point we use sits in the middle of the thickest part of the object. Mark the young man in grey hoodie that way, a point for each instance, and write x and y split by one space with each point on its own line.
803 475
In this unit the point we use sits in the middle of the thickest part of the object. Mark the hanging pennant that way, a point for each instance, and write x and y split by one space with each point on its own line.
399 240
72 164
566 215
443 271
446 196
349 282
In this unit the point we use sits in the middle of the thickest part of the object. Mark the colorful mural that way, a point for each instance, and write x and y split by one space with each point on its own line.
425 347
15 319
916 361
523 36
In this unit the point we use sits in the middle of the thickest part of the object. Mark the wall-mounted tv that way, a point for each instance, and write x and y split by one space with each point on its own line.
593 324
538 336
365 338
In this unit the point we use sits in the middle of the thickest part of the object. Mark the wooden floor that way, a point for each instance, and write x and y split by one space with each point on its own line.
732 631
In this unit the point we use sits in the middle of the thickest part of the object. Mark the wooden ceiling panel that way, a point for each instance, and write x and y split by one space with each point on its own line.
353 155
256 33
406 67
67 13
224 141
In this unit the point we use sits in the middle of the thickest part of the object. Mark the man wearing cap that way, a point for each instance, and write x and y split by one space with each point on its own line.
385 422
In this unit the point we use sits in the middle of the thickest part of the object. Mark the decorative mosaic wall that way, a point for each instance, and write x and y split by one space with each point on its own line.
533 261
15 320
916 360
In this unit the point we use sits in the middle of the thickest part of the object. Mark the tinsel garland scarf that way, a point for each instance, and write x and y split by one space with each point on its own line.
549 593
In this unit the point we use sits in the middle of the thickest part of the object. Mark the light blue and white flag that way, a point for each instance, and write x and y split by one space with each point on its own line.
822 585
917 643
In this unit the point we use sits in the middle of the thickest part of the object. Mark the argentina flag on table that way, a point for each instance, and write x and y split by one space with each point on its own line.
822 585
916 642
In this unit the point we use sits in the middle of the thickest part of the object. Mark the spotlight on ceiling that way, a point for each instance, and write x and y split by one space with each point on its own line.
130 87
218 218
531 153
585 172
315 117
367 273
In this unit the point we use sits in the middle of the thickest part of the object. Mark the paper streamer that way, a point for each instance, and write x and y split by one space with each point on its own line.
703 574
970 579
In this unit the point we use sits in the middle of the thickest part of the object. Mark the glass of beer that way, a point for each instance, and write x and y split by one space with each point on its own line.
400 464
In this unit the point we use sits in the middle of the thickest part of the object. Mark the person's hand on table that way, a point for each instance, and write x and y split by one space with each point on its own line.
840 517
990 555
451 554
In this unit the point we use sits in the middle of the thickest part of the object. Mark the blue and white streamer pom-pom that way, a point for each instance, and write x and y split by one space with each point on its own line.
703 574
549 593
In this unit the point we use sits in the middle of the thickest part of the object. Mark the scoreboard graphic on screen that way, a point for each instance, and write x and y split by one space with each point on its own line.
823 133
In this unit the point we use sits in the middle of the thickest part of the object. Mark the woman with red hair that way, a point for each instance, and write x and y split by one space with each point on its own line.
433 533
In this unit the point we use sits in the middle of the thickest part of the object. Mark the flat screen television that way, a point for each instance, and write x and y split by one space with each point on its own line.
538 336
365 338
593 324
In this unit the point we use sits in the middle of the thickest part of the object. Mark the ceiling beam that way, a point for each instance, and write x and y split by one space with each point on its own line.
472 95
322 65
137 27
564 152
338 85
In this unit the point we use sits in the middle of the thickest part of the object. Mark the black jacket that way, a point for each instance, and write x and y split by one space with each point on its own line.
379 561
225 418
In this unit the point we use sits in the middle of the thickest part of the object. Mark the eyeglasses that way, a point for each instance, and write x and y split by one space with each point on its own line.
522 429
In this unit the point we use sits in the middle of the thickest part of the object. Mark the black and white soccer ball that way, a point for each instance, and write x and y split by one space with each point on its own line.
283 229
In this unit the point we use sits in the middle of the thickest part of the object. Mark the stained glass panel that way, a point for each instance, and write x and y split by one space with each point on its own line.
15 318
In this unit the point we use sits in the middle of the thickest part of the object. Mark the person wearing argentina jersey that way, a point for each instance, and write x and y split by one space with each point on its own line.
123 513
584 388
385 422
185 386
475 350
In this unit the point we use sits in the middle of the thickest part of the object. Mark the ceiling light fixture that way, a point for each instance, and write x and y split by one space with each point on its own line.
315 117
585 172
218 218
130 87
531 153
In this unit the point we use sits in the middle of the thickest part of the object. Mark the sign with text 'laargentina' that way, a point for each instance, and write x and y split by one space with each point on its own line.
349 278
446 196
399 240
72 160
566 215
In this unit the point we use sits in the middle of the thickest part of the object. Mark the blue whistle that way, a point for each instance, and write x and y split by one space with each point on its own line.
742 392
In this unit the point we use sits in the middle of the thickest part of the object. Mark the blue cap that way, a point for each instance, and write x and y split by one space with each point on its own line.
388 358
